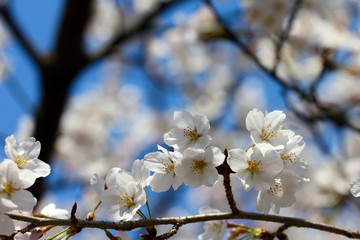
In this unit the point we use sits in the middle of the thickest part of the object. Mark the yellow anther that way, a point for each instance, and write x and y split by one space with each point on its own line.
167 167
22 160
254 166
191 134
126 200
10 188
198 166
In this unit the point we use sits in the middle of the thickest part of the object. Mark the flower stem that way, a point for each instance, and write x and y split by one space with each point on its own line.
148 207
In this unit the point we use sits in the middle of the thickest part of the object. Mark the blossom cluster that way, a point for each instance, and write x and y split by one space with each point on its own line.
17 173
272 165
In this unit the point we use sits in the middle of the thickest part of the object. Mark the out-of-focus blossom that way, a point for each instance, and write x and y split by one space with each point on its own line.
214 230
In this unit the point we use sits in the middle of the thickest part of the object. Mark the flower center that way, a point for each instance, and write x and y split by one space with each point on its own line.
254 166
215 226
291 158
276 189
126 200
268 133
191 134
9 188
22 160
197 166
168 167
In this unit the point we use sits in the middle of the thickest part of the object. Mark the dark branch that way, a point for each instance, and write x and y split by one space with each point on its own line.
130 225
15 29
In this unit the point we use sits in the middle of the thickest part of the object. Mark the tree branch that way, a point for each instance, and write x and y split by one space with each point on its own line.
130 225
9 20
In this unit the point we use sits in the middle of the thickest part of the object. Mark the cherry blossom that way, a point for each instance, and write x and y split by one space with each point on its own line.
255 168
12 188
191 131
198 166
291 157
213 229
163 165
140 173
25 154
355 188
124 198
267 129
281 195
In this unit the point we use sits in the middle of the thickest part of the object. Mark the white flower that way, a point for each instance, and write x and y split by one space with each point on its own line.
99 184
123 235
267 129
355 188
50 210
281 195
191 131
198 166
140 173
25 154
214 230
290 156
254 168
124 198
6 225
163 166
12 191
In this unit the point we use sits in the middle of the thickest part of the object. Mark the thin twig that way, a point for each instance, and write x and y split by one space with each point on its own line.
130 225
285 35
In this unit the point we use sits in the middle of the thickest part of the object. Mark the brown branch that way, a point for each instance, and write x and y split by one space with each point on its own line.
130 225
15 29
225 170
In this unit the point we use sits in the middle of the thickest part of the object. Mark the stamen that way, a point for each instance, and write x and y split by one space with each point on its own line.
126 200
198 166
168 167
191 134
254 166
291 158
268 133
22 160
10 188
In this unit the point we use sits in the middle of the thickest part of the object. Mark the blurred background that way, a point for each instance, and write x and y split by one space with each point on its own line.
97 82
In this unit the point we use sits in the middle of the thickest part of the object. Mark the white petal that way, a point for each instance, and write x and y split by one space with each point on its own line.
263 202
184 119
355 188
255 121
24 199
202 124
6 225
237 159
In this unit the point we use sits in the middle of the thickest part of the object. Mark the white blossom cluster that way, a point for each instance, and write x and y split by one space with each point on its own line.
17 173
272 166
